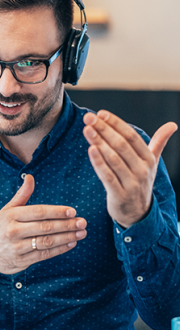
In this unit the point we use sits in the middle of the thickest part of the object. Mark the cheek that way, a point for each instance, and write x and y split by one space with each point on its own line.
55 72
36 90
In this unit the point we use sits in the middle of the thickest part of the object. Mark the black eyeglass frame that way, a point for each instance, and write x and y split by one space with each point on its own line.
47 63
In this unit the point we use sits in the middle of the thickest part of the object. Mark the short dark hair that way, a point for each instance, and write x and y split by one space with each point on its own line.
63 10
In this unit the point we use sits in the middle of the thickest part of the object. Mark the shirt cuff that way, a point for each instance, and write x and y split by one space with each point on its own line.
142 235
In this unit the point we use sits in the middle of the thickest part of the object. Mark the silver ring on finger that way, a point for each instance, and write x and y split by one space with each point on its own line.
34 246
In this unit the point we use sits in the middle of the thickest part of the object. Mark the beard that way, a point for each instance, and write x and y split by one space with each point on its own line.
39 108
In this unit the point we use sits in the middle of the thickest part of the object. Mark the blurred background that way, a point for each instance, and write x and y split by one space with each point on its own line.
133 69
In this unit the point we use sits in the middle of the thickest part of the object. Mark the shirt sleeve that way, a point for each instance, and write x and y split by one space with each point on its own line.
150 252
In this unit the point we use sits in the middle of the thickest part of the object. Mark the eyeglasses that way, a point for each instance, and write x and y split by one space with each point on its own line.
30 71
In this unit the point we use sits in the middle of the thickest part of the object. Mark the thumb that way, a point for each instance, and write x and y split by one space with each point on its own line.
160 138
23 194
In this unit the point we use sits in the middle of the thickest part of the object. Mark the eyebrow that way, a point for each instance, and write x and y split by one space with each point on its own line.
34 55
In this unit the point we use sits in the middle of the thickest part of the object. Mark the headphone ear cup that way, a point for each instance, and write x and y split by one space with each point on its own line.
72 69
66 54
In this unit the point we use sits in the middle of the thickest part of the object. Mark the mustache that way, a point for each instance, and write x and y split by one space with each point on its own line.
19 98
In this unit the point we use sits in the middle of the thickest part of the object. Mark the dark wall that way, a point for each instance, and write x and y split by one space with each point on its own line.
146 109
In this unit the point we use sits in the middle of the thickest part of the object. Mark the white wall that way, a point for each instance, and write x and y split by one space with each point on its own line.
141 50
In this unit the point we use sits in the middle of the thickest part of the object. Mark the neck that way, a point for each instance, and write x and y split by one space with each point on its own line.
24 145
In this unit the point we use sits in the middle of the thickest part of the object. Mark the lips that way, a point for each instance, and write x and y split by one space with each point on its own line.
10 108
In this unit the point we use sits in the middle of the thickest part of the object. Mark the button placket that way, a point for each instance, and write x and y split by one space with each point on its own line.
19 296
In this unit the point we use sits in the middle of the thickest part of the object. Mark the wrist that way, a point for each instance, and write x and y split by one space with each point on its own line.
125 225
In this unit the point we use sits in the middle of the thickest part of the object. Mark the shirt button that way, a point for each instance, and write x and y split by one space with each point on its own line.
140 279
117 231
18 285
127 239
23 176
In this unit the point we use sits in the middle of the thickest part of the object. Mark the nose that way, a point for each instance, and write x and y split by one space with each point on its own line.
8 84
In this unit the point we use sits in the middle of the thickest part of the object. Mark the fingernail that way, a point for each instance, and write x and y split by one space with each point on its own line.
90 119
72 244
80 234
103 115
71 213
91 132
94 151
80 223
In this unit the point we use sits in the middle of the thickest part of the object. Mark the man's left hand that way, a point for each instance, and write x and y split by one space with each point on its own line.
124 163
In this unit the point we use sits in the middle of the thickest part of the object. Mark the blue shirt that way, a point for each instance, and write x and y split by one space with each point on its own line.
112 273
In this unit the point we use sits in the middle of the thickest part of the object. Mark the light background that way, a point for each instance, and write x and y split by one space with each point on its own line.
141 48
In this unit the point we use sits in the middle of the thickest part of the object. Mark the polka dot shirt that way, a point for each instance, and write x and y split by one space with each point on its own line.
107 277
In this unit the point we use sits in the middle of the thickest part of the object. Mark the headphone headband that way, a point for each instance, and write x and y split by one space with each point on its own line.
76 50
80 4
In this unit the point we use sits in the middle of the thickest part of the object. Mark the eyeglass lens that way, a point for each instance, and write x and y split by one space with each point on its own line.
29 71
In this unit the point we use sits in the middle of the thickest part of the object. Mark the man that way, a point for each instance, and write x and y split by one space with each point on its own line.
128 261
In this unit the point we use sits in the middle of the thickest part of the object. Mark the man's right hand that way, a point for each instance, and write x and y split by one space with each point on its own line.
55 228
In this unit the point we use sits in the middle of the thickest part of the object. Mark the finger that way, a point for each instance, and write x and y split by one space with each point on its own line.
23 194
37 228
160 138
105 174
42 212
114 160
113 142
122 128
50 241
35 256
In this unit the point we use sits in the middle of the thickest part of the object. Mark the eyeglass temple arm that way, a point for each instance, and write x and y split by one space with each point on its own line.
53 58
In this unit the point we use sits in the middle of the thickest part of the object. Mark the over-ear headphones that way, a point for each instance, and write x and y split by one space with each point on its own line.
75 50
